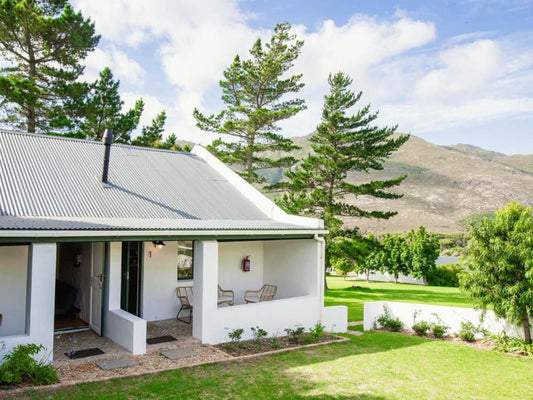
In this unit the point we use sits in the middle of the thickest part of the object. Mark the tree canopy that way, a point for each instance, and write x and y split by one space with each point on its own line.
43 42
500 264
255 93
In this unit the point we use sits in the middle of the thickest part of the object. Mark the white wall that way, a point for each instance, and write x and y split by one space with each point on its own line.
386 277
120 326
292 266
230 273
450 316
13 289
159 281
40 325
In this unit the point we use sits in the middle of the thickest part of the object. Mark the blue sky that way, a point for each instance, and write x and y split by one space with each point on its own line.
447 71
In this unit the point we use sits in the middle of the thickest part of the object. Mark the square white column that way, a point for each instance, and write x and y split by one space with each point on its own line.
205 287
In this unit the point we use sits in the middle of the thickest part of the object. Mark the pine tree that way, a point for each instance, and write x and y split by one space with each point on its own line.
254 91
343 144
103 110
44 42
152 134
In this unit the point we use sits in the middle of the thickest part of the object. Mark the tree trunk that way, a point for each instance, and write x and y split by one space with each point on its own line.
368 275
527 328
249 155
395 278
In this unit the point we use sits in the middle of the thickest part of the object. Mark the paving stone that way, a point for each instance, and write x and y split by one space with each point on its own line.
355 333
116 364
176 354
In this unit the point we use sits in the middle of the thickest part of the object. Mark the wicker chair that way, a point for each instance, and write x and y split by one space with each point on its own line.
266 293
225 297
185 296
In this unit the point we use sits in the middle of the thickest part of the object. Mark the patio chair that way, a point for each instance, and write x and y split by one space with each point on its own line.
266 293
185 296
225 297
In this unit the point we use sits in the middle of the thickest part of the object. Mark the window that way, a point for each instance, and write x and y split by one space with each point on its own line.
185 260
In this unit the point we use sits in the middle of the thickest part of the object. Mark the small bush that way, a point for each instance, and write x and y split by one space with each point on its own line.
421 328
295 334
274 342
258 333
439 330
317 332
444 275
235 337
386 321
20 366
508 344
468 332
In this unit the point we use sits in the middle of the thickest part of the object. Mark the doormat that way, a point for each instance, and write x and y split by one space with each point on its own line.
161 339
94 351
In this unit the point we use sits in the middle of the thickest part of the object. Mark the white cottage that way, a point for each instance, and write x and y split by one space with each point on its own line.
95 235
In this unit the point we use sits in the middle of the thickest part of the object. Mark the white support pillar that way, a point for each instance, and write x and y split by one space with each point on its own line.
205 287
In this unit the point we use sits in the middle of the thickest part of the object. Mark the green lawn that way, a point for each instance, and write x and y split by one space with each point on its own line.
375 366
343 293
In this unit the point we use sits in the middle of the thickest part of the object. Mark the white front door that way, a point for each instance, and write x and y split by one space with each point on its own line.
97 280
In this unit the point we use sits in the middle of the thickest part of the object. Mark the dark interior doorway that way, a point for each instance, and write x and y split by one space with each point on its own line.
130 294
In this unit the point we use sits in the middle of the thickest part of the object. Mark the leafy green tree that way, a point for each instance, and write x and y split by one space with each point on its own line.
424 250
342 265
103 110
356 251
43 42
500 262
255 93
343 144
152 135
394 256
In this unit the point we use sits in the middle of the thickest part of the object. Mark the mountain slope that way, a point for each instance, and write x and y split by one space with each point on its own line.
444 185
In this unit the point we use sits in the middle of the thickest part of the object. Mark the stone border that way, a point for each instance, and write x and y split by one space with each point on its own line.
12 392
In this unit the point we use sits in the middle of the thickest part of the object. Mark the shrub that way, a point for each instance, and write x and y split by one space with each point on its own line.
295 334
274 342
439 330
508 344
20 365
386 320
468 332
258 333
444 275
421 328
317 332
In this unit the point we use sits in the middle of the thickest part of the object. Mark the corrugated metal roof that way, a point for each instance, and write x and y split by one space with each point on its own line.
49 182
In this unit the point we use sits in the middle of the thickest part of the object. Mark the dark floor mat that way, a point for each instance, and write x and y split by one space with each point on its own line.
95 351
161 339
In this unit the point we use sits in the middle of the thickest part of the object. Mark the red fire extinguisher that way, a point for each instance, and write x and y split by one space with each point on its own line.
246 264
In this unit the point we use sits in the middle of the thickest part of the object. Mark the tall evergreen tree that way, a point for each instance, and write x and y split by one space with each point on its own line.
44 42
254 91
152 135
103 110
343 144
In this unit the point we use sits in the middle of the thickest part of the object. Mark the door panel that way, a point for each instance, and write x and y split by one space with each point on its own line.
97 280
130 296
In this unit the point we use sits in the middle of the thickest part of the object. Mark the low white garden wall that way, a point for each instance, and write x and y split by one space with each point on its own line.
386 277
449 316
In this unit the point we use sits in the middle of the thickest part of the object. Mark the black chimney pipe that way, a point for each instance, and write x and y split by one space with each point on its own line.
108 140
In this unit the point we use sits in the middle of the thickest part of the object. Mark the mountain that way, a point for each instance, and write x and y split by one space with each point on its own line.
444 185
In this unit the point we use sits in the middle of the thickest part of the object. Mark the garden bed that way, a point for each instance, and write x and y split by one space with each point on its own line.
275 345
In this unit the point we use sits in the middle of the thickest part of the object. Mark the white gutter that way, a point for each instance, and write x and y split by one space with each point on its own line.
160 233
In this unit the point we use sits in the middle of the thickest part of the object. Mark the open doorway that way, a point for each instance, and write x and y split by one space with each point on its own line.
79 282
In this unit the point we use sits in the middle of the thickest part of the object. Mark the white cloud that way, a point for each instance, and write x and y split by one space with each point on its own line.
123 67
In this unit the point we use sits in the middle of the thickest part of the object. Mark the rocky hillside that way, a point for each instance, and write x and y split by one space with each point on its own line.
444 185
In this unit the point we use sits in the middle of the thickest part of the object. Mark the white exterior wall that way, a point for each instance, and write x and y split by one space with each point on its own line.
40 325
386 277
120 326
13 289
230 273
450 316
159 281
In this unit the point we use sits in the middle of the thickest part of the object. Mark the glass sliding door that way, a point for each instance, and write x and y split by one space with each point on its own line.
130 295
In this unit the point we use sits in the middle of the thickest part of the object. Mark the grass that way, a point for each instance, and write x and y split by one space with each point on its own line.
374 366
342 292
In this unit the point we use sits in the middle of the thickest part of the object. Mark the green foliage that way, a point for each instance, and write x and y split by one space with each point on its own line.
317 332
274 342
439 330
500 263
421 328
353 253
235 336
468 331
445 275
19 366
394 256
507 344
424 249
342 265
255 91
258 333
343 144
103 110
295 335
453 244
387 321
44 42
